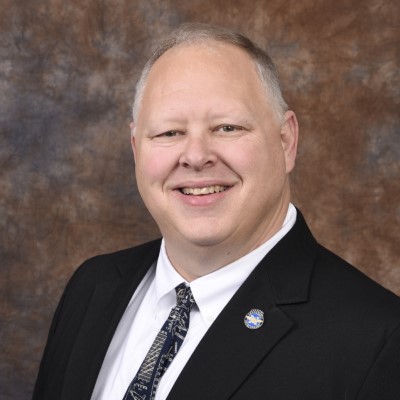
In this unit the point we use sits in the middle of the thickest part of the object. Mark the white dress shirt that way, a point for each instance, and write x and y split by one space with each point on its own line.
150 306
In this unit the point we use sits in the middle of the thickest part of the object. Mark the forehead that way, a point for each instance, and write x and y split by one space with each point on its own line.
207 51
203 67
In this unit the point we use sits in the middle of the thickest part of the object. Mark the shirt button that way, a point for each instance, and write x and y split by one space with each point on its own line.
209 319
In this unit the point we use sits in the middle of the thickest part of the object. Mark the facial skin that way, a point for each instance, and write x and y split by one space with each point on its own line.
205 124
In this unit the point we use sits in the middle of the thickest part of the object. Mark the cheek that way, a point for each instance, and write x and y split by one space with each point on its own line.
153 165
239 153
263 168
254 158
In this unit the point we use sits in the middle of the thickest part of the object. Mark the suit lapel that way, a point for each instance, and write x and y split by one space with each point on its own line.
229 351
104 311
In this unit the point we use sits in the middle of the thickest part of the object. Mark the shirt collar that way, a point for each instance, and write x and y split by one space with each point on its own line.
213 291
166 280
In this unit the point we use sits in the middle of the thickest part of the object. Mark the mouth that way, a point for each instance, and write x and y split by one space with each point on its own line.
203 190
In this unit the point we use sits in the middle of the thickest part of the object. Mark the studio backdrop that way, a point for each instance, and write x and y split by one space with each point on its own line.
67 186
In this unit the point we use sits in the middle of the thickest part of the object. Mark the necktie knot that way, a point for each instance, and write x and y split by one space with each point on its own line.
184 297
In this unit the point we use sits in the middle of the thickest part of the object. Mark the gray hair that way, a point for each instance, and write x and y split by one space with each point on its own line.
192 33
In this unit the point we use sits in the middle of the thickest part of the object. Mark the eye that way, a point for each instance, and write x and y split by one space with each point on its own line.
229 128
169 134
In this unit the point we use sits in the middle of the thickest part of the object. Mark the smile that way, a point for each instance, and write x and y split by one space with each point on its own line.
204 190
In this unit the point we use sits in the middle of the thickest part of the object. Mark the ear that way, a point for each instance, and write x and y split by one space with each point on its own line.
133 142
289 138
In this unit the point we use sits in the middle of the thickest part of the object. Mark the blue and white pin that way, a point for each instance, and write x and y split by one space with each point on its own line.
254 319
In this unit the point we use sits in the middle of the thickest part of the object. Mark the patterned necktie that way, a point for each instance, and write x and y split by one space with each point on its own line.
164 348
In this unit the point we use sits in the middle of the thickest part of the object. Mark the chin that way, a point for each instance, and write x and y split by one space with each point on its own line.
204 240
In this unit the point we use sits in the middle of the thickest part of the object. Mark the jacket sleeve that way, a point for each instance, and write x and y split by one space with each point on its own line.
383 380
45 363
41 378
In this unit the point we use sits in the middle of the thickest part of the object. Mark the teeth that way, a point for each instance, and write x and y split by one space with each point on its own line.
204 190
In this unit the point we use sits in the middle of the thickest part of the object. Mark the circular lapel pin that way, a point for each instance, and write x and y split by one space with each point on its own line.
254 319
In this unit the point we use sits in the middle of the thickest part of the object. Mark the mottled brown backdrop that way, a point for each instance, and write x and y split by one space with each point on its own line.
67 72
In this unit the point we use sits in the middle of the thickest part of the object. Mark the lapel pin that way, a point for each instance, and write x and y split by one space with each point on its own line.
254 319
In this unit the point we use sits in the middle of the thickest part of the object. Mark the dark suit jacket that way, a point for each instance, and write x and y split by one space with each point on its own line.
329 331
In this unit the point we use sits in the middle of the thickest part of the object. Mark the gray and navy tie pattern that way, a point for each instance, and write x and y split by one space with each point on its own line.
164 348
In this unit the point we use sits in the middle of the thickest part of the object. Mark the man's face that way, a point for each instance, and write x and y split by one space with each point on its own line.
211 158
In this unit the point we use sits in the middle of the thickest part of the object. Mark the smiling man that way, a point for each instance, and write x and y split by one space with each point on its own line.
212 156
237 301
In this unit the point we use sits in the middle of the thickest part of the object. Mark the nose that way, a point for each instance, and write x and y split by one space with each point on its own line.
198 152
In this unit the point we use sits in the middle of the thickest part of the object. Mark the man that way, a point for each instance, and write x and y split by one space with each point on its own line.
272 315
